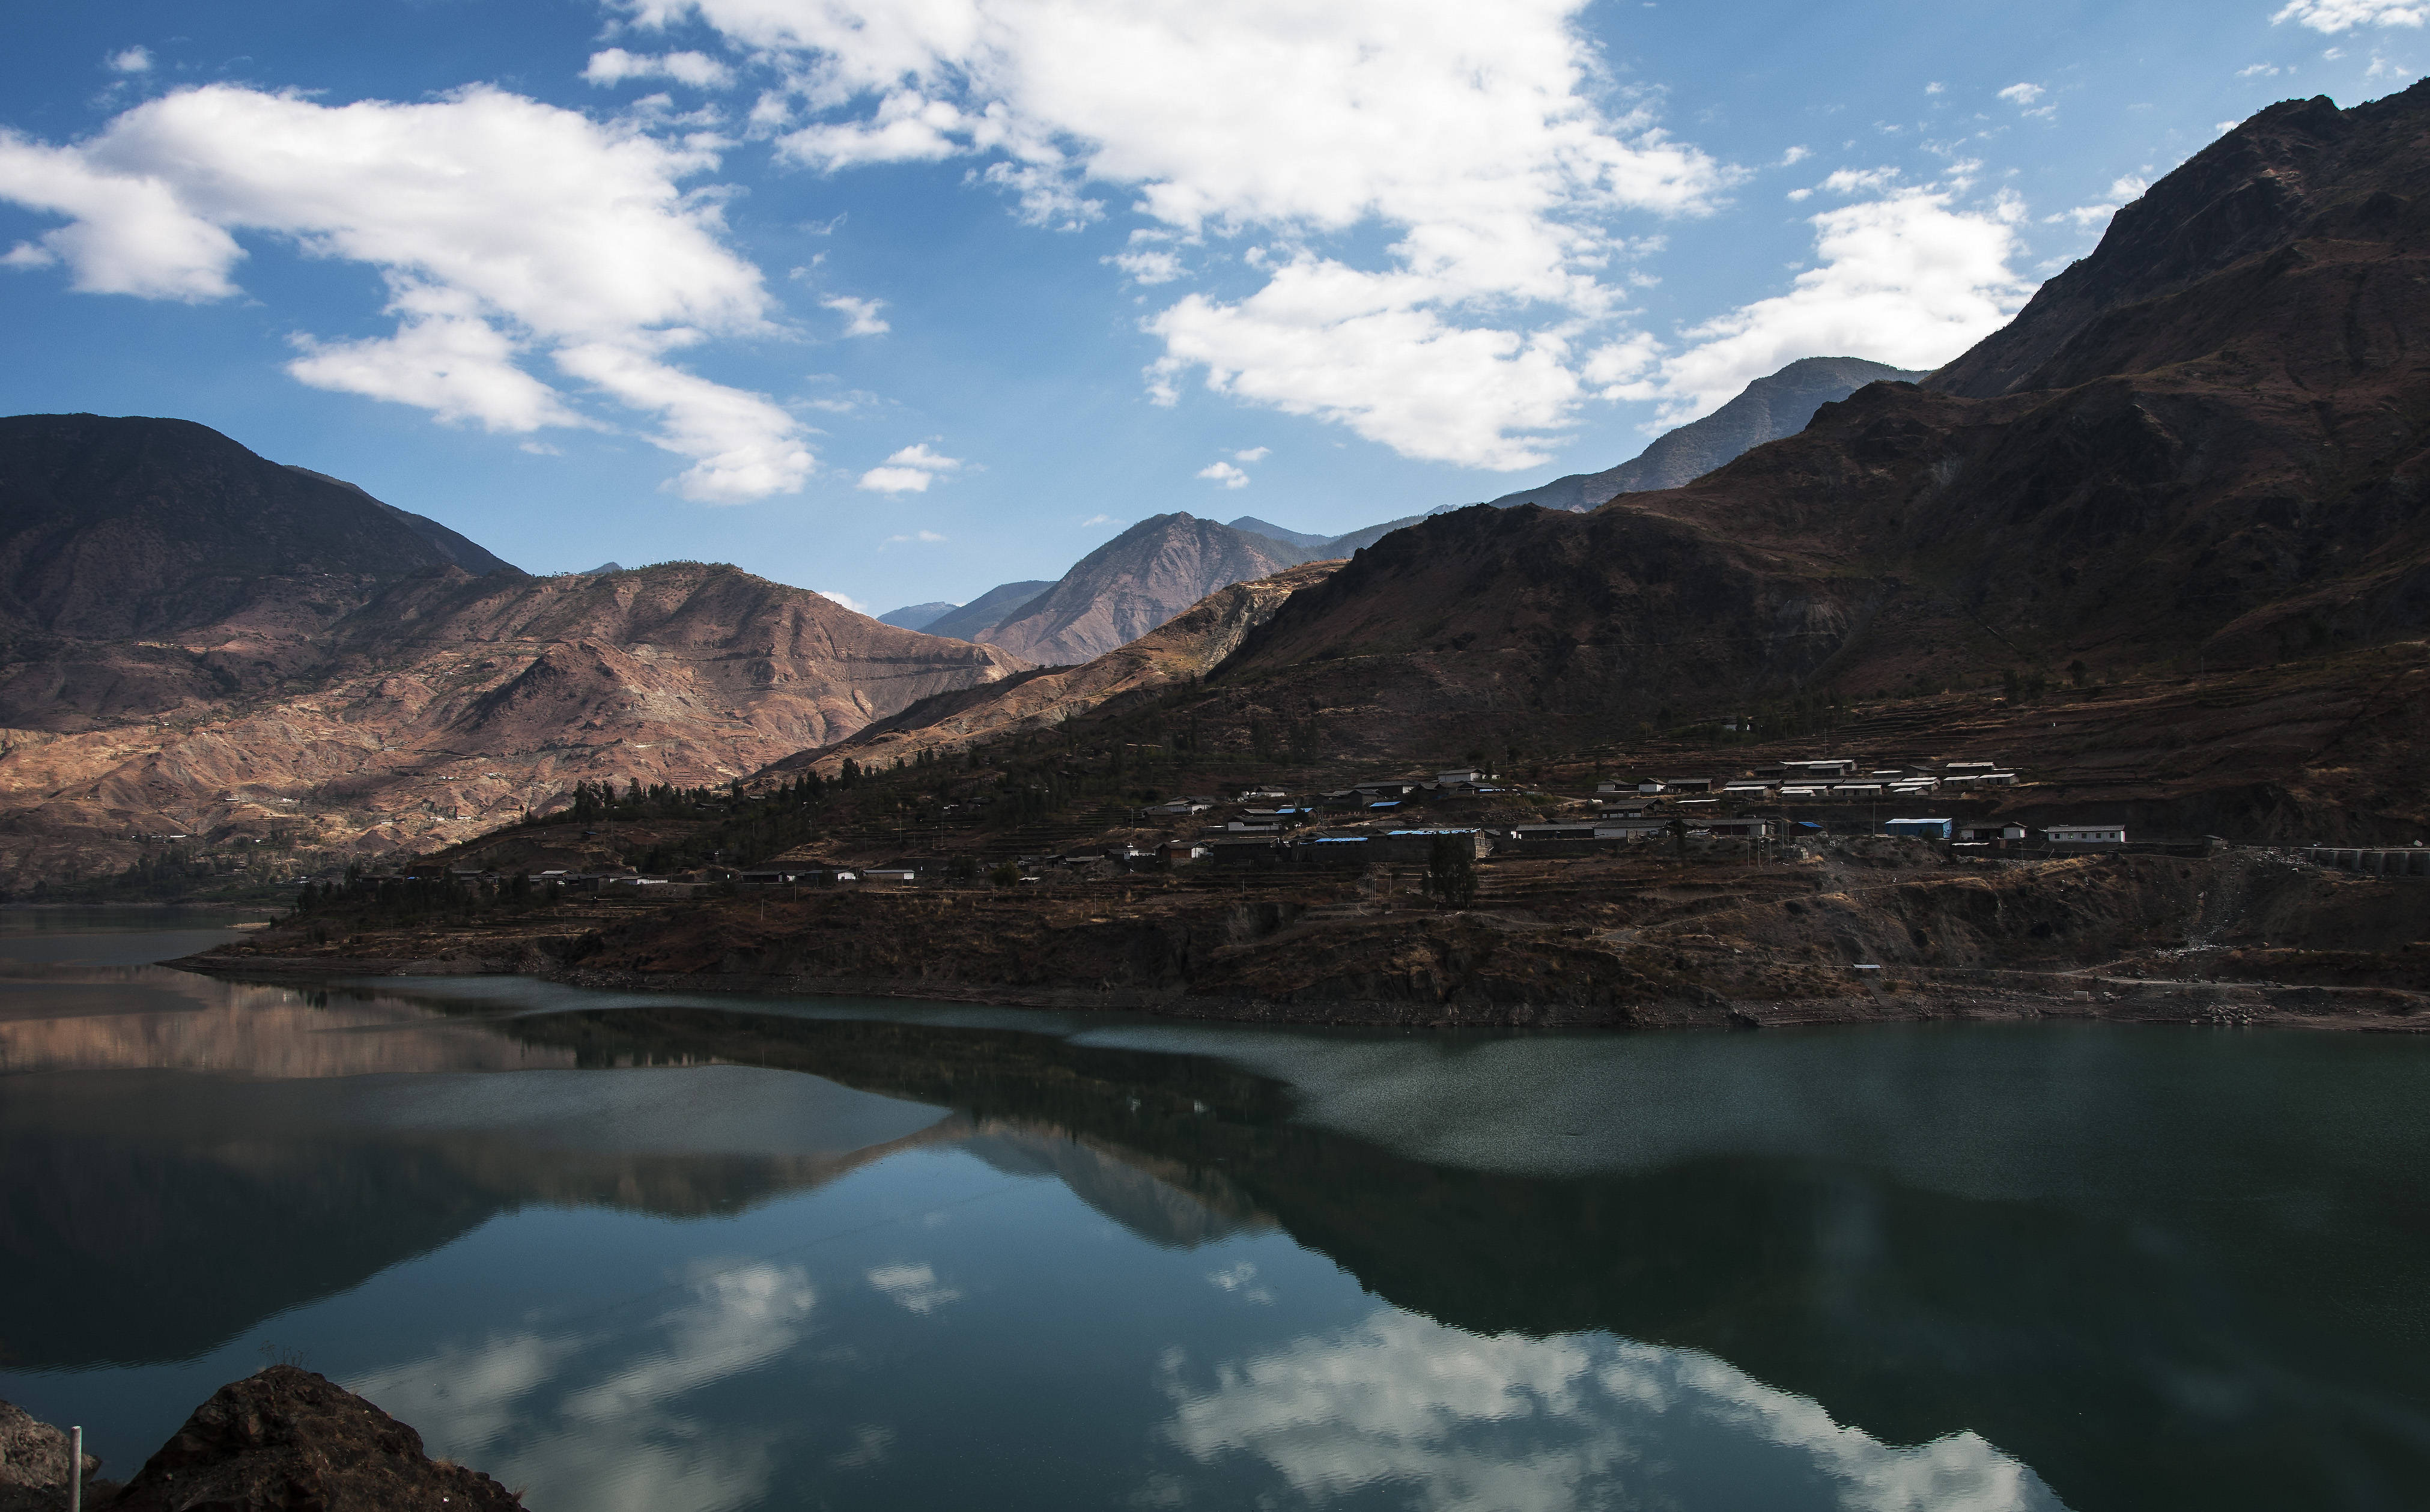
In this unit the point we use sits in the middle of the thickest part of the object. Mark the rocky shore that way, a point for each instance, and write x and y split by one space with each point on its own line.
1884 932
282 1440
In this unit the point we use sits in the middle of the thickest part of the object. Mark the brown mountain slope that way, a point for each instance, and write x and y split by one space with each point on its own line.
1191 644
448 703
1134 583
2231 471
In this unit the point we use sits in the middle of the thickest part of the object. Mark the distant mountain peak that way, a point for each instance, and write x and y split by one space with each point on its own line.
1273 532
1136 582
1775 405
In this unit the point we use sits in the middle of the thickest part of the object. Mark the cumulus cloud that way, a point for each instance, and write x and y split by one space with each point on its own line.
1225 473
855 604
895 480
909 471
2334 16
2022 93
1492 158
133 61
1255 453
860 315
928 538
699 70
506 231
1911 280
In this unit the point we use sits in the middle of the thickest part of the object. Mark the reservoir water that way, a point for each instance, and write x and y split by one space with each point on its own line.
663 1254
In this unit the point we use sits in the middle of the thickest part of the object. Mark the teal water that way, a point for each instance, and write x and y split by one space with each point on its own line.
675 1254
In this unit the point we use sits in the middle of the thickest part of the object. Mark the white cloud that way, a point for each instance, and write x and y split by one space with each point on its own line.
1225 473
860 315
2334 16
1148 265
2260 70
699 70
1861 180
920 457
133 61
914 1288
505 229
896 480
909 471
1908 279
1795 155
1491 158
2381 68
929 538
1936 86
2085 217
1101 519
855 604
2022 93
1255 453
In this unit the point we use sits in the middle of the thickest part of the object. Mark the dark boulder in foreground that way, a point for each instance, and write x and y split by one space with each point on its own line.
34 1465
292 1441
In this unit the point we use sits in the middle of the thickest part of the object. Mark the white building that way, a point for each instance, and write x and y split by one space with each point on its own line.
2085 833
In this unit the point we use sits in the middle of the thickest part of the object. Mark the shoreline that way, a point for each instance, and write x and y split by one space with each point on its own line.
1927 998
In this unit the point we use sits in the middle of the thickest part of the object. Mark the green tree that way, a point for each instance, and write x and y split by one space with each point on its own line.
1450 870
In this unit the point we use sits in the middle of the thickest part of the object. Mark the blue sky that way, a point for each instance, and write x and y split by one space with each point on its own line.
901 300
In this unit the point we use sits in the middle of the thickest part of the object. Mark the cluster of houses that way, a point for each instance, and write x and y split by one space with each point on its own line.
1264 829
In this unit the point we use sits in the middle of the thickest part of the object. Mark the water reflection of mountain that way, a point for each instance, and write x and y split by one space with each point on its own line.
2059 1332
1910 1312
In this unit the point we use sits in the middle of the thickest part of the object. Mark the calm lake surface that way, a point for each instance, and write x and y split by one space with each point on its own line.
677 1254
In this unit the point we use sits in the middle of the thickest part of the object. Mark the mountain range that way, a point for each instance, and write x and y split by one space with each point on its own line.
1166 563
2203 445
195 640
2207 445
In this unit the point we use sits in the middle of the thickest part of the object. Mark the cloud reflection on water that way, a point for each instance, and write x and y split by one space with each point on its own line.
617 1443
1507 1423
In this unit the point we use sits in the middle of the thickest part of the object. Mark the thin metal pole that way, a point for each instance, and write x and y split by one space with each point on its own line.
75 1469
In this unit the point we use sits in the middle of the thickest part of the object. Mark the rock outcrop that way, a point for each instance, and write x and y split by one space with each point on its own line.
34 1470
287 1439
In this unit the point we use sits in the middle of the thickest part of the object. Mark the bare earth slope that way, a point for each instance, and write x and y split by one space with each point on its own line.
1136 582
2229 470
1191 644
355 687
